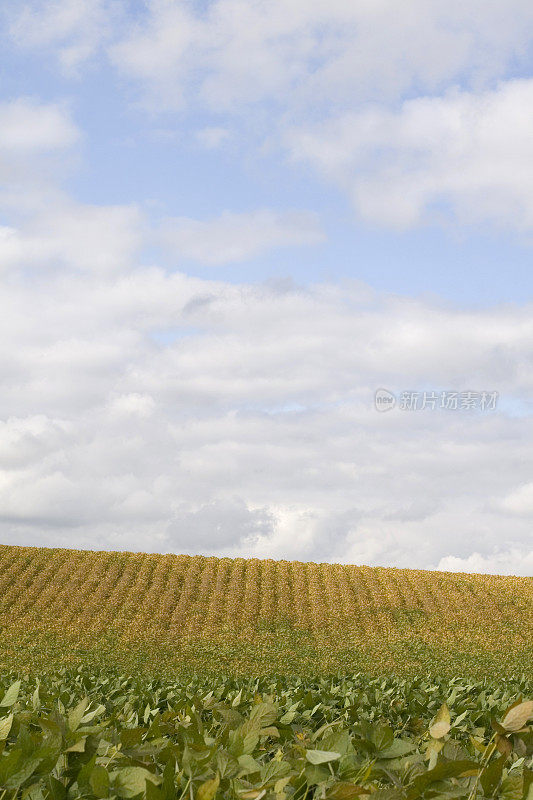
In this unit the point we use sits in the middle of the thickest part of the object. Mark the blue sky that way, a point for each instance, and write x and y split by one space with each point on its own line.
223 225
129 155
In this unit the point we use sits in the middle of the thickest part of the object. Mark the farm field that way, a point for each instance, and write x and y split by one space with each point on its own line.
167 615
75 734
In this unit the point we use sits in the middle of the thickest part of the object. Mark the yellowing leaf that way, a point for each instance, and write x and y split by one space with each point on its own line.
77 747
439 729
10 697
208 789
5 727
441 723
517 717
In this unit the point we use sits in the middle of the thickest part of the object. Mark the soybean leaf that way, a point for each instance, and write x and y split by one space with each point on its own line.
11 696
321 756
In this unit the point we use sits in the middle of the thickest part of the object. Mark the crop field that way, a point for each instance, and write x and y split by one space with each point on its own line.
76 734
168 614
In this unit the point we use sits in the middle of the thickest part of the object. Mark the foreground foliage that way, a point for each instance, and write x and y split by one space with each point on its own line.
167 614
74 734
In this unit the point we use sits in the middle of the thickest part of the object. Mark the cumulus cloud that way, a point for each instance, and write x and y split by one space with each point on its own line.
36 141
147 409
251 429
73 235
235 237
297 54
73 29
133 404
396 133
509 562
519 500
229 521
464 154
27 126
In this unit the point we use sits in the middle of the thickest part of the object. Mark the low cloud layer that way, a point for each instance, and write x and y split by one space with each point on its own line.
151 410
232 238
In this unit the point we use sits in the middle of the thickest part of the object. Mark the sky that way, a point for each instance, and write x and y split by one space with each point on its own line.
224 226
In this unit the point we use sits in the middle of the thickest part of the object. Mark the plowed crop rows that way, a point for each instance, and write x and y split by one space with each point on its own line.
259 614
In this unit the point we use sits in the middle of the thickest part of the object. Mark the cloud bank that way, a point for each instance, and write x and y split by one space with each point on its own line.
145 406
152 410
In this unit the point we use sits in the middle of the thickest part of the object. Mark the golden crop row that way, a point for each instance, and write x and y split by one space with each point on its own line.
176 597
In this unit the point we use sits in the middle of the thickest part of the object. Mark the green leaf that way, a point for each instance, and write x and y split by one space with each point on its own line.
315 774
33 792
288 717
130 781
78 746
248 764
92 714
321 756
491 775
226 763
452 769
26 768
75 716
399 748
56 789
11 696
167 785
84 774
99 781
130 737
263 714
382 736
346 791
511 788
274 769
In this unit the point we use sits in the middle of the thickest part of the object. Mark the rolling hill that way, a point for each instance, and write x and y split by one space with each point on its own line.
177 613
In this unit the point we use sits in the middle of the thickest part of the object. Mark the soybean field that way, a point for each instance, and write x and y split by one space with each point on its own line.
176 614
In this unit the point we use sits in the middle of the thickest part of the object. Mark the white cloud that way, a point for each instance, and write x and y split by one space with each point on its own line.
28 127
228 521
74 29
70 235
25 440
509 562
445 152
36 142
253 431
133 404
144 410
237 237
519 501
303 54
467 154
